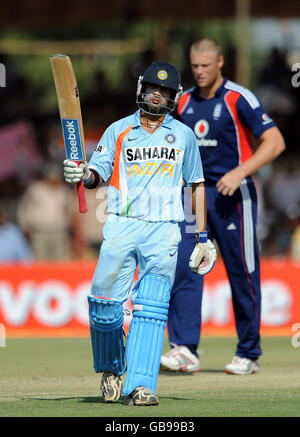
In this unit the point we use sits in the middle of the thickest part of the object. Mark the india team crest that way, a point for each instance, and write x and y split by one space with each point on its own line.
162 75
170 138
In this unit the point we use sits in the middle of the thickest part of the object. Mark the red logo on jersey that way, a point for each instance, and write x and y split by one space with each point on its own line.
201 128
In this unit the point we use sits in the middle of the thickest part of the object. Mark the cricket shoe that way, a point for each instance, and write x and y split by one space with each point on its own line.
242 366
111 387
180 359
142 396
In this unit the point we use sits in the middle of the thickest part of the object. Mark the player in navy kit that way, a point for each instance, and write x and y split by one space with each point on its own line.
223 115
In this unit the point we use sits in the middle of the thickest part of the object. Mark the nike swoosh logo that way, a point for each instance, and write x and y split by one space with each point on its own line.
132 139
172 254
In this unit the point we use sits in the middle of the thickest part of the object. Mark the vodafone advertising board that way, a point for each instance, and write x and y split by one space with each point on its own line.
51 299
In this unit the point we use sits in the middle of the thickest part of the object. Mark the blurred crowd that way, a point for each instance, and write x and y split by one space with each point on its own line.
39 218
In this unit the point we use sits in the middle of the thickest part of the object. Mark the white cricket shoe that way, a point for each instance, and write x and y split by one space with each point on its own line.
141 396
242 366
111 387
180 359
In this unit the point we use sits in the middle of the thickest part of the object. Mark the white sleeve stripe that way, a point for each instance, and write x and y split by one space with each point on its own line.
247 94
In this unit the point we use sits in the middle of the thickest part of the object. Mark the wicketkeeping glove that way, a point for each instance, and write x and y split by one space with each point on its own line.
73 173
204 255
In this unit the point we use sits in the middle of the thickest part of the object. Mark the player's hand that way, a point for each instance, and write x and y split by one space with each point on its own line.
74 173
231 181
203 257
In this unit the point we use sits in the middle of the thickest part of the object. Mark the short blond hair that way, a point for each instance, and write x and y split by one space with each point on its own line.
206 45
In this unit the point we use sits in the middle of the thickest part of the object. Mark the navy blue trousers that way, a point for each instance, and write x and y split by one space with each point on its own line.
231 221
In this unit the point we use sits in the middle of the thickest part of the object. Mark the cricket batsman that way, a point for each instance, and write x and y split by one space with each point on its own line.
144 157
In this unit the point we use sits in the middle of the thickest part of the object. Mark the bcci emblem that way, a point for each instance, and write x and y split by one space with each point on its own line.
170 138
162 75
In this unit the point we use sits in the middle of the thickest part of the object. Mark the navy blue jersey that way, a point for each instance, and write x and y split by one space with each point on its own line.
223 126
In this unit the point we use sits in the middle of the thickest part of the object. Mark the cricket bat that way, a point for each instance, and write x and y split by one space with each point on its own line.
70 115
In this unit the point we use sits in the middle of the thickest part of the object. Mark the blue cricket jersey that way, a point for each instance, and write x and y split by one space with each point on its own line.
146 170
223 125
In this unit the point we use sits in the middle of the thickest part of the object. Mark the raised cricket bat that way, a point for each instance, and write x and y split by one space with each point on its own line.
70 115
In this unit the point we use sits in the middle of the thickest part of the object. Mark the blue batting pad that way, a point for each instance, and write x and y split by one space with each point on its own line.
106 327
145 339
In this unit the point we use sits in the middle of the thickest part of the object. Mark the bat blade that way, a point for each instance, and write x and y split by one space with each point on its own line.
70 115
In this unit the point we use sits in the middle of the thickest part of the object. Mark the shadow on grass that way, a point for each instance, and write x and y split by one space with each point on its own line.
193 374
174 374
175 398
90 399
99 400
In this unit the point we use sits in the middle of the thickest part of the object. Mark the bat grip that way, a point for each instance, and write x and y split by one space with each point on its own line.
81 195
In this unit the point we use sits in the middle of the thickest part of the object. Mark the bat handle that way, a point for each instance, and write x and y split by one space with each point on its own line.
81 195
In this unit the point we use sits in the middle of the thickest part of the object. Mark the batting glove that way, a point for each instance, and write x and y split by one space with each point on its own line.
204 255
74 173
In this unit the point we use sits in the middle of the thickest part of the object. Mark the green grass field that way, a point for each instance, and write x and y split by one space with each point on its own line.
54 378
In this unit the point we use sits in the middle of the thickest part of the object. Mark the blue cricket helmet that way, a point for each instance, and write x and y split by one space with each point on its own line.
162 74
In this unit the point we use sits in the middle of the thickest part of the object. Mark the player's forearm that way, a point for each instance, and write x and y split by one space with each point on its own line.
270 146
199 206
